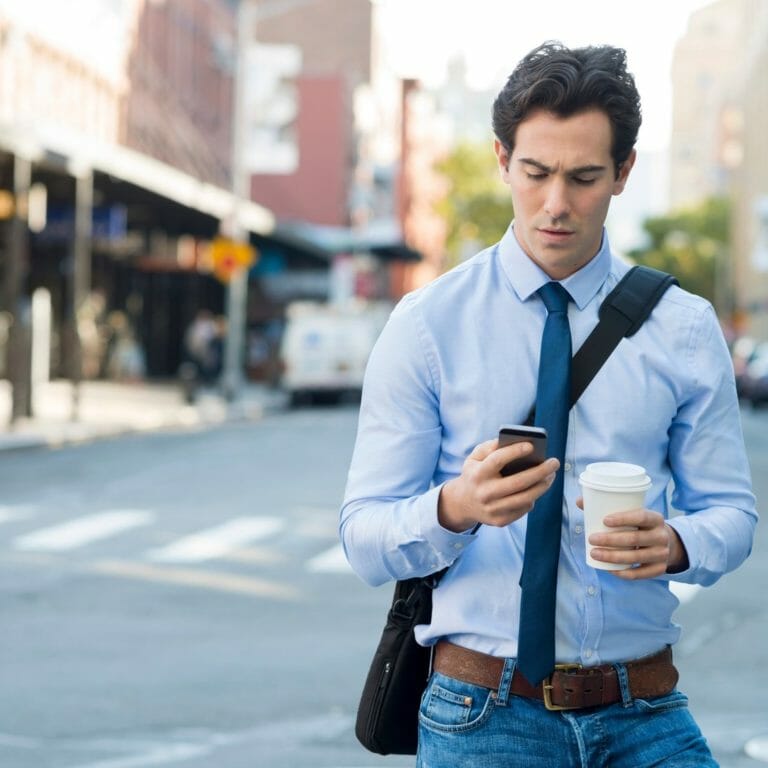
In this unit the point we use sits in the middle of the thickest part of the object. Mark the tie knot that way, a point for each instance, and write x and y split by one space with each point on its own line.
555 297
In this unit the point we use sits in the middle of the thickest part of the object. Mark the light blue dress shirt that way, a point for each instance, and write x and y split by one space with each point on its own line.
457 360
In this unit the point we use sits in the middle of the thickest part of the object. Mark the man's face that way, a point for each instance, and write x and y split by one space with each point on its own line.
562 178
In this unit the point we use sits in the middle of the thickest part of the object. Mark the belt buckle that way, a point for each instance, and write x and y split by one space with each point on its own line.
546 687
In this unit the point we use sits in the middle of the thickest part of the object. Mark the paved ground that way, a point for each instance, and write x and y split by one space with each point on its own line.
65 414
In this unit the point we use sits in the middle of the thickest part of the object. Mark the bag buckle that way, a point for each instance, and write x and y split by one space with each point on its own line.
546 687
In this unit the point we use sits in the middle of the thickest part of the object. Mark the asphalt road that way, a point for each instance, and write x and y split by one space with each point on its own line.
179 599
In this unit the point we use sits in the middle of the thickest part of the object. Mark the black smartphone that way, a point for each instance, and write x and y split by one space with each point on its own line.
518 433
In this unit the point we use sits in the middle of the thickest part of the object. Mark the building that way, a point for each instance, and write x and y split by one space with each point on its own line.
718 144
330 43
114 175
707 73
333 151
749 276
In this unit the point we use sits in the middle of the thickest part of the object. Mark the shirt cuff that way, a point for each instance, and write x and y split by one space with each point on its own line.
448 545
682 527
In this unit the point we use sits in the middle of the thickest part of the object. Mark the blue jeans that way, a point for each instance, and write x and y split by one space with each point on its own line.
465 726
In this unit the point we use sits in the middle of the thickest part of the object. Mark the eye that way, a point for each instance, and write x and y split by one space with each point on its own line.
584 182
536 176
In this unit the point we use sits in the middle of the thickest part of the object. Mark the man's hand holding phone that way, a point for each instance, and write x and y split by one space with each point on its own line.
482 494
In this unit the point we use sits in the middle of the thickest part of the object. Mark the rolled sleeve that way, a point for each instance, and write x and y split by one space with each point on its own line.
388 524
712 483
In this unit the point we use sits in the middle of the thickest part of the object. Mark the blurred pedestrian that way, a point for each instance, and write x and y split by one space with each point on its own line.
126 357
458 359
202 347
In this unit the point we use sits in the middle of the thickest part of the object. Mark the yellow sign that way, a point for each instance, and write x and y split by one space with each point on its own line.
230 257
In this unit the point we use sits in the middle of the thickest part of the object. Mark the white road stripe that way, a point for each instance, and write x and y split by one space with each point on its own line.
684 592
83 530
331 561
13 513
218 541
195 577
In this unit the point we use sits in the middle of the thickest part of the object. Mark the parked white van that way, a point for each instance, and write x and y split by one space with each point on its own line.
325 347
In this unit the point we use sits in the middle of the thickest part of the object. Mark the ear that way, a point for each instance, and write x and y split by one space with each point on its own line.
502 157
626 167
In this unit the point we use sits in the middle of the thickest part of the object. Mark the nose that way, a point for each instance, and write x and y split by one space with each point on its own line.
556 204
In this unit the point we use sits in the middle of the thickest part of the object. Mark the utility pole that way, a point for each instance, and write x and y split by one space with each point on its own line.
80 278
17 293
237 287
249 14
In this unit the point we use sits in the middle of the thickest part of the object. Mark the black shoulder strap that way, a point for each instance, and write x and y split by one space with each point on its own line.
621 314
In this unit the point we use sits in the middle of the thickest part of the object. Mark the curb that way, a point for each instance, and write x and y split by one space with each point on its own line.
211 411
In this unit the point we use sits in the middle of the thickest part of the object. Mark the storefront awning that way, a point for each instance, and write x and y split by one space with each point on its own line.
77 155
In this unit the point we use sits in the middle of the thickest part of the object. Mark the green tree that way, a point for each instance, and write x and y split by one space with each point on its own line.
477 208
692 244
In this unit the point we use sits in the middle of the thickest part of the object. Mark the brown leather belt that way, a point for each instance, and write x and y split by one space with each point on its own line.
570 686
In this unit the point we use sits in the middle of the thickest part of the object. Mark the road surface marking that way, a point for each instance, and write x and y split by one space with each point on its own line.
332 560
163 755
83 530
218 541
757 749
179 747
188 577
13 513
684 592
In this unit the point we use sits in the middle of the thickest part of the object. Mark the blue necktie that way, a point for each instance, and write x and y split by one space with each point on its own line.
536 636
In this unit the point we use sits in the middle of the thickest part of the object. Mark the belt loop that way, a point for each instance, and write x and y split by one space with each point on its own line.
505 683
623 677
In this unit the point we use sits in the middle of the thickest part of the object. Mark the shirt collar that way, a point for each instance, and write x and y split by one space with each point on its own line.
527 277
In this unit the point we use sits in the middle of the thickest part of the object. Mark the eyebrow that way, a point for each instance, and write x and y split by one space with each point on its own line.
572 172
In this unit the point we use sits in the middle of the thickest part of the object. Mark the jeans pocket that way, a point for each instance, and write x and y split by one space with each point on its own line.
673 700
453 705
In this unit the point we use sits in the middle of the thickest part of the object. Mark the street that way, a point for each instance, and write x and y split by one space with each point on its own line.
179 598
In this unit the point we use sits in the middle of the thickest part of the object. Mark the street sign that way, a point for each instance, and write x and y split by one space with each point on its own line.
230 256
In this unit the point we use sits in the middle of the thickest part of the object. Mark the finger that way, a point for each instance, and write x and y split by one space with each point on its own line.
507 508
580 502
634 557
651 571
639 518
502 456
518 481
516 491
630 539
482 450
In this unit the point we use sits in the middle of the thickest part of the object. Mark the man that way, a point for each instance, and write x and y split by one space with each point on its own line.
458 359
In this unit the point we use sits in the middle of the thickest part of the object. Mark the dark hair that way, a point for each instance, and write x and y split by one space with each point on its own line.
566 81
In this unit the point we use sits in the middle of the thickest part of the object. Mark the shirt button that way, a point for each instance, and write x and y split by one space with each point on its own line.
458 545
591 590
567 466
578 529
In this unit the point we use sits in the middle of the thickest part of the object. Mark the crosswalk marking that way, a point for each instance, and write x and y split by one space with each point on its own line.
8 514
218 541
82 530
333 560
192 577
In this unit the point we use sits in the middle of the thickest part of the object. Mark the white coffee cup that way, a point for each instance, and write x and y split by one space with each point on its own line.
610 486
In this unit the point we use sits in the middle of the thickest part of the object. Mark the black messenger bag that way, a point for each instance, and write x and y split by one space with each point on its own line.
388 713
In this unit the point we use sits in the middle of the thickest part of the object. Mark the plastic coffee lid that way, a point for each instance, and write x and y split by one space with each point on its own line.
616 476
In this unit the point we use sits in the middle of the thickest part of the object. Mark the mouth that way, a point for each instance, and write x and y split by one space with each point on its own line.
556 235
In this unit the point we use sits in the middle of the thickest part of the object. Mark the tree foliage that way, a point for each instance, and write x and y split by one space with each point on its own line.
477 208
691 244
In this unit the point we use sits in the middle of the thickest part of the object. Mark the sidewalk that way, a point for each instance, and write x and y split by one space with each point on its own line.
107 408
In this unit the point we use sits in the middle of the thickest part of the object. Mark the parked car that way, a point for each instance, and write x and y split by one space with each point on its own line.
753 381
325 347
742 353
